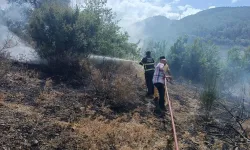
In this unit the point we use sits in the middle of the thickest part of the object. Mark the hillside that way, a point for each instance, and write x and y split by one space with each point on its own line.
54 115
224 26
48 115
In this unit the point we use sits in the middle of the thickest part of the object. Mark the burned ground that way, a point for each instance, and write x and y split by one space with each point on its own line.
38 113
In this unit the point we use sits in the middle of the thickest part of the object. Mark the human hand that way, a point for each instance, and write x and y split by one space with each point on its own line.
169 77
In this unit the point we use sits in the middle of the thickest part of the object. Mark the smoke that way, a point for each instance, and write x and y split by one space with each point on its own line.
17 48
241 88
17 12
12 16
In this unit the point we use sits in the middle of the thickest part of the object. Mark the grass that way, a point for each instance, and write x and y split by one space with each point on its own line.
38 113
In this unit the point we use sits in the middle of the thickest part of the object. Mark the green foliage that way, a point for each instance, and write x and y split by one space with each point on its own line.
64 35
224 26
246 59
193 61
157 48
197 62
57 30
176 55
210 76
236 68
18 14
201 63
208 98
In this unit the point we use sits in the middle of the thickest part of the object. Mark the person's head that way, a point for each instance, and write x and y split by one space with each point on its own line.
162 57
148 53
164 61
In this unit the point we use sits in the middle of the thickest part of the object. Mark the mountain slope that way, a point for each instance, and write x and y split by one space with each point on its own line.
53 116
224 26
155 26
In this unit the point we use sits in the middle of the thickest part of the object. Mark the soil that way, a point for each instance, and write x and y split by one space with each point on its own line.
36 113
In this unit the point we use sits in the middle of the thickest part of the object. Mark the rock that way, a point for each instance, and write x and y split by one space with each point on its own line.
57 134
34 143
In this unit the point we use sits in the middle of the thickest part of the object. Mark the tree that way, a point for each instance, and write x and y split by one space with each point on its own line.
158 48
176 55
246 59
63 34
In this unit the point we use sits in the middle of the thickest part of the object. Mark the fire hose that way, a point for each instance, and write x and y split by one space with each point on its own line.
172 116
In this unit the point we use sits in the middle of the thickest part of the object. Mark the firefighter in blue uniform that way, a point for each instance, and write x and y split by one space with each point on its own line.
149 67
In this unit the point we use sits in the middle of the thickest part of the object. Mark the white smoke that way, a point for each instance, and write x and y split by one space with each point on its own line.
17 48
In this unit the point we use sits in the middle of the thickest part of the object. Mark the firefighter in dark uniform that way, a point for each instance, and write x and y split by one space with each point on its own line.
149 67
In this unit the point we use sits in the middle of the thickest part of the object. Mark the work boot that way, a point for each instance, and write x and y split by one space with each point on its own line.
149 96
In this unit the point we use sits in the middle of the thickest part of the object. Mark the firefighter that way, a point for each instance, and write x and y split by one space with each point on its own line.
148 63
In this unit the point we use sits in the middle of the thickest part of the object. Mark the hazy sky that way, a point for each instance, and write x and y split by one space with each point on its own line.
3 3
130 11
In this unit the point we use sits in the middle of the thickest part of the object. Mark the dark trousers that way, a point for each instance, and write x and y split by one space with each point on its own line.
149 82
161 89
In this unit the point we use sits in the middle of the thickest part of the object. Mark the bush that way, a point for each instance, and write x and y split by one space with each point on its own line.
5 62
208 96
117 85
64 35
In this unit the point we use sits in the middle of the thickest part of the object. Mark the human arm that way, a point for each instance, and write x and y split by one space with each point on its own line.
167 71
142 62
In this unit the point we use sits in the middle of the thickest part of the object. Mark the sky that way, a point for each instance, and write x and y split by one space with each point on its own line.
131 11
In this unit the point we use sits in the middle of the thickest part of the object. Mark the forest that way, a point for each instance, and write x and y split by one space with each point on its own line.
224 26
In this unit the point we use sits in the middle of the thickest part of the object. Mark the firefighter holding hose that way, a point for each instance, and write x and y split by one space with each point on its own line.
166 70
159 77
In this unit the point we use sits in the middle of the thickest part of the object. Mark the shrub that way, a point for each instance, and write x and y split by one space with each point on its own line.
208 97
117 85
64 35
211 77
5 62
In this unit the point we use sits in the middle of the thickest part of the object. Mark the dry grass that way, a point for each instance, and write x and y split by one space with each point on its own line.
59 117
117 135
5 64
117 85
246 126
35 108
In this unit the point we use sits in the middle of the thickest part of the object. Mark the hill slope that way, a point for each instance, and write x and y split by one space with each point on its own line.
224 26
36 112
